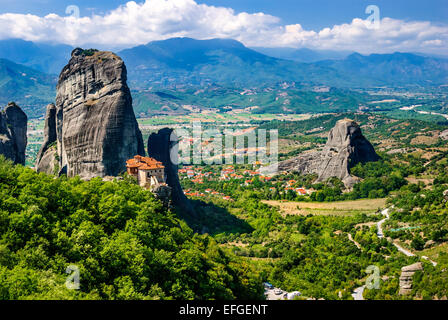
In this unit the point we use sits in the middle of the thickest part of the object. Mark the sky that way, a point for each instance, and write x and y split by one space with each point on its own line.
393 25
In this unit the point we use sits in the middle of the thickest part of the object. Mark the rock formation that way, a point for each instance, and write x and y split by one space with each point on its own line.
406 277
163 193
47 158
13 128
162 146
444 135
92 130
346 147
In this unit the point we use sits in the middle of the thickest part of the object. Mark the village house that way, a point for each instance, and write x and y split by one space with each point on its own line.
190 174
149 172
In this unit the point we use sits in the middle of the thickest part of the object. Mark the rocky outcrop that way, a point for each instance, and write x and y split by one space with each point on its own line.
444 135
49 161
13 130
406 277
47 158
429 244
92 126
346 146
163 193
445 195
162 146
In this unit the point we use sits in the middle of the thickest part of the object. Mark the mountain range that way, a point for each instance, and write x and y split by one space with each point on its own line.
180 61
398 69
31 89
47 58
184 62
303 54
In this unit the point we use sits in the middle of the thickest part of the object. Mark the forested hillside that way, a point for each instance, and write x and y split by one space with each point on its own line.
124 242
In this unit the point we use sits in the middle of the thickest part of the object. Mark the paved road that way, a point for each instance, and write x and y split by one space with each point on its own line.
270 295
358 293
380 233
406 252
433 262
379 225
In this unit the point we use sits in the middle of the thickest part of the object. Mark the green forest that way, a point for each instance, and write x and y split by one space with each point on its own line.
127 245
124 242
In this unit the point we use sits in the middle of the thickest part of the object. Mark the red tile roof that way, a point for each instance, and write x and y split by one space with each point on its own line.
144 163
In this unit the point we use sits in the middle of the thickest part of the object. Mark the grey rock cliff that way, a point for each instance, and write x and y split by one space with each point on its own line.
13 130
407 273
162 147
92 125
345 147
47 159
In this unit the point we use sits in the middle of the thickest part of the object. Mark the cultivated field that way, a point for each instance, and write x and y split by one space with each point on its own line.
221 118
328 208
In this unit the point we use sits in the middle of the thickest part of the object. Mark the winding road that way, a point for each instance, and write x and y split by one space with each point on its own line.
379 225
358 292
380 233
406 252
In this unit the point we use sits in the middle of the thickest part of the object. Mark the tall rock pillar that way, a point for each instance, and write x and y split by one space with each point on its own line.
94 122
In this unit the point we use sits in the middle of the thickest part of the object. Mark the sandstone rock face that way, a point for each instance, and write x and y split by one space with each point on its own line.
406 277
92 124
162 147
47 158
345 147
13 129
48 162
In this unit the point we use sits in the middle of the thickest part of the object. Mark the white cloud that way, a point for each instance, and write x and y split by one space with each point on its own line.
138 23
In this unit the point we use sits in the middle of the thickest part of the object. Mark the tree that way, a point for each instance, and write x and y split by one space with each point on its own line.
418 243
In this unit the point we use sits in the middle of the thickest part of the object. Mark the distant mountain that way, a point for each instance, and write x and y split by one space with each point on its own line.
46 58
188 62
440 55
216 72
185 61
392 69
31 89
303 54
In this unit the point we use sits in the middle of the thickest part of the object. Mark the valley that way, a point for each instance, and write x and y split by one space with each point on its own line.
361 183
283 221
296 239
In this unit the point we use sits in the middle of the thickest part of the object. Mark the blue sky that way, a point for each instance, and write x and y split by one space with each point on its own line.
309 13
406 25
